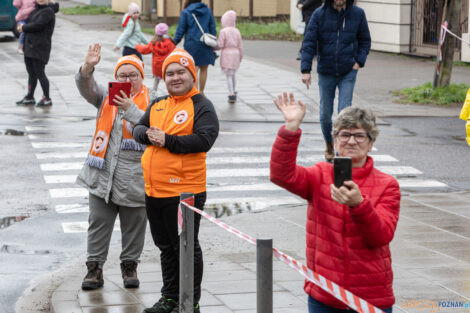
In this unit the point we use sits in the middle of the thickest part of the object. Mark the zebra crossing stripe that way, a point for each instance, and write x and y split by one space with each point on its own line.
399 170
81 227
62 155
64 166
71 208
257 149
420 183
68 192
265 187
59 179
300 159
59 145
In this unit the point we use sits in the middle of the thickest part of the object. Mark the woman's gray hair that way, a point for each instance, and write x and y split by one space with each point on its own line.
356 117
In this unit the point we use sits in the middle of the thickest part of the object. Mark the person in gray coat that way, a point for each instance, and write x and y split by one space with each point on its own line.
112 172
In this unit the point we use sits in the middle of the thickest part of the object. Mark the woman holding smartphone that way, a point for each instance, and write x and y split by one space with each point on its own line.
348 228
112 172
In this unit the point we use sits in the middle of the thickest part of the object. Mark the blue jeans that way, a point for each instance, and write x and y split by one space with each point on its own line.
327 85
21 39
315 306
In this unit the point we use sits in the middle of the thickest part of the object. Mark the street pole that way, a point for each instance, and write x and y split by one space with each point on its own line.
264 276
186 292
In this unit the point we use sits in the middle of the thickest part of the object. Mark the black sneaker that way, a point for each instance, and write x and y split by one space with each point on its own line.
164 305
232 99
45 102
196 309
299 56
26 101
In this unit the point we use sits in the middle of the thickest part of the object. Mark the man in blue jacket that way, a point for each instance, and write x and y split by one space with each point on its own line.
339 36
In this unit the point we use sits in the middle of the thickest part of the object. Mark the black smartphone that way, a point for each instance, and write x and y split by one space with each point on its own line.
342 170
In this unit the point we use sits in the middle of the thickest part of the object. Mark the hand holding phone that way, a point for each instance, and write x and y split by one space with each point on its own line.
115 90
342 170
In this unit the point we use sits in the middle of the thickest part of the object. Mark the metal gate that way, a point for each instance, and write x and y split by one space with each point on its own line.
426 20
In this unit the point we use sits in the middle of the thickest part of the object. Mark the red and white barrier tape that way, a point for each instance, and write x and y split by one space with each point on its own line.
345 296
444 27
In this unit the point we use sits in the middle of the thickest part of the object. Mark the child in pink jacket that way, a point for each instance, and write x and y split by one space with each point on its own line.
25 7
230 43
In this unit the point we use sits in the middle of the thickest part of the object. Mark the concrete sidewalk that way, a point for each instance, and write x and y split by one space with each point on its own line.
431 261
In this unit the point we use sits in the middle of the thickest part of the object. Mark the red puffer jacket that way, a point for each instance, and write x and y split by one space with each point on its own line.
159 50
349 246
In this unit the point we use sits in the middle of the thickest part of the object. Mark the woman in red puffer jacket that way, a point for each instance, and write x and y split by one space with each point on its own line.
348 228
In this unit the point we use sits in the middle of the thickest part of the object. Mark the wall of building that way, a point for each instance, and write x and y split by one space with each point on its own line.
95 2
465 55
389 24
261 8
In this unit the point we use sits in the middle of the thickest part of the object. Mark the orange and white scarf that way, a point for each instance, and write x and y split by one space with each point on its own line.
104 126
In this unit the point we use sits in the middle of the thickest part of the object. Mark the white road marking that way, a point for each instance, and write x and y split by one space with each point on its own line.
265 187
61 155
55 145
68 192
420 183
266 159
399 170
59 179
35 128
71 208
267 149
81 227
64 166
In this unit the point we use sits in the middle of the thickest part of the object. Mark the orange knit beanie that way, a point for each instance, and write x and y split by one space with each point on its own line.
182 57
132 60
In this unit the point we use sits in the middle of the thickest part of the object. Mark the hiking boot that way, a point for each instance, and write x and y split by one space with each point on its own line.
44 102
26 101
164 305
329 152
94 278
129 274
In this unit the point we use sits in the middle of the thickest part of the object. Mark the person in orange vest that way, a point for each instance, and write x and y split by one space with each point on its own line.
178 129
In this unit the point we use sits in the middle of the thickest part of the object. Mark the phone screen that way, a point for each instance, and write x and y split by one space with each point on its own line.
342 170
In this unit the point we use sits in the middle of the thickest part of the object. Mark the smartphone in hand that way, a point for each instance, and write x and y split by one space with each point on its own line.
342 170
115 89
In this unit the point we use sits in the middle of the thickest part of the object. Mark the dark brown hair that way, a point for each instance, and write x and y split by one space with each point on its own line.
188 2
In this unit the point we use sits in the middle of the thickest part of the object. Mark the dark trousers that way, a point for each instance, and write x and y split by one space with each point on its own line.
315 306
129 51
162 214
36 70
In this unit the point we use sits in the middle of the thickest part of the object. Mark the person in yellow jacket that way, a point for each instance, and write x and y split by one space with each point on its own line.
178 129
465 115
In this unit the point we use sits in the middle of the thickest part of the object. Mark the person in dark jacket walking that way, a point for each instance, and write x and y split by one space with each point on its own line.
37 49
339 36
178 129
307 7
203 55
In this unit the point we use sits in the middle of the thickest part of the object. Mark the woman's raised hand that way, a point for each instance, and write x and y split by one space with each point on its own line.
293 113
93 55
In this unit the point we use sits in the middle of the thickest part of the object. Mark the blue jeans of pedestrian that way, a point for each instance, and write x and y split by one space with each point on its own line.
315 306
327 85
21 39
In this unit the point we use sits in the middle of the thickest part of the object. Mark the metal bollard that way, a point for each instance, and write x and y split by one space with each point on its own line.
264 276
186 292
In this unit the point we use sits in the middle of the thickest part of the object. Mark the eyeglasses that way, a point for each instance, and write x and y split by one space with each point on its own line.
359 137
132 76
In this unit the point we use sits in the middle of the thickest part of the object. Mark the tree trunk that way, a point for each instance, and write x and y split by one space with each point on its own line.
448 48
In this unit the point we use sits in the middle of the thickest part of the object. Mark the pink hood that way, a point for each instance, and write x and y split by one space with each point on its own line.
25 7
229 18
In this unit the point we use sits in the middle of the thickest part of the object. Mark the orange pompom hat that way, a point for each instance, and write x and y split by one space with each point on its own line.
132 60
183 58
